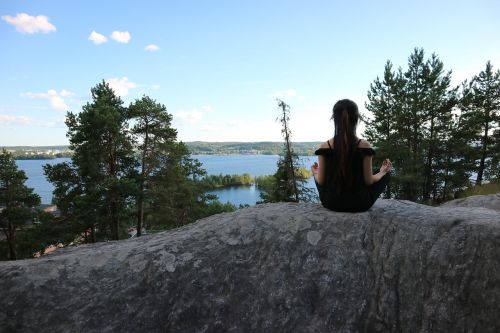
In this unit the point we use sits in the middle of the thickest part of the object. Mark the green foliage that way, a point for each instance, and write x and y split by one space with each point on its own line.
268 184
480 106
303 173
413 124
437 137
179 194
17 202
251 148
103 159
218 181
265 183
154 138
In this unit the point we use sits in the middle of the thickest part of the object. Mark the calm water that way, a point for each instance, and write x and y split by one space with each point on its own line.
256 165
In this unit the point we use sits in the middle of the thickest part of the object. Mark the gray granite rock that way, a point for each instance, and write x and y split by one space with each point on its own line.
491 201
400 267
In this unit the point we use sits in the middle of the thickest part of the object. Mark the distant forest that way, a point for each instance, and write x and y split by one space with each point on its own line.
195 148
262 148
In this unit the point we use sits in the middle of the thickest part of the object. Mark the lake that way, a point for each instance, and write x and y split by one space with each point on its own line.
256 165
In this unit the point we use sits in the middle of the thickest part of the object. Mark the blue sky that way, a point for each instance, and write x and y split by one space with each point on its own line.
218 65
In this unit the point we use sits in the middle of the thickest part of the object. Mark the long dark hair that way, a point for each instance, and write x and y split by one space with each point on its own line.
346 116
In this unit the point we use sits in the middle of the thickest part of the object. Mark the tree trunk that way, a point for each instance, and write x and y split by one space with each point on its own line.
140 213
140 203
113 205
428 168
289 153
11 239
480 172
115 223
92 233
446 176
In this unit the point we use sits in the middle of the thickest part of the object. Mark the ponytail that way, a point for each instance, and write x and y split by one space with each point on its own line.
345 115
344 143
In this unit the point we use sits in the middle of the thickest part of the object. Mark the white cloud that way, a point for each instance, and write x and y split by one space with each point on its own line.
183 117
284 93
155 87
55 99
121 86
121 36
188 117
66 93
207 108
27 24
6 119
97 38
152 48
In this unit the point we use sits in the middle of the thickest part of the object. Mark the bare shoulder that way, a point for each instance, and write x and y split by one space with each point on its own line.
364 144
325 144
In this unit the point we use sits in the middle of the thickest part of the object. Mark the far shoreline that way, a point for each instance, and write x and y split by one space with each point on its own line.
222 148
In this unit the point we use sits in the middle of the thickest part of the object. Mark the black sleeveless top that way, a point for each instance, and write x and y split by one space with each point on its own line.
358 197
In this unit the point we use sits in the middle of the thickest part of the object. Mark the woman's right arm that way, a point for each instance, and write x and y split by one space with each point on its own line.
368 175
319 170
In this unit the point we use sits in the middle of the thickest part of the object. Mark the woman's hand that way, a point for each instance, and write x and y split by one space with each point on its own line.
386 166
315 168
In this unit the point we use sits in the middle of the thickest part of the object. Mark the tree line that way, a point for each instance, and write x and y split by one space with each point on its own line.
261 148
442 139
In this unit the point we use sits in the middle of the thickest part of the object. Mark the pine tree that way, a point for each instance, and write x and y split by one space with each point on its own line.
412 111
286 185
439 103
17 201
385 104
287 180
456 166
154 139
481 107
102 163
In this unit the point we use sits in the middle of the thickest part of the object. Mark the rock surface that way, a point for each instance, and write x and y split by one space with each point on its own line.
486 201
400 267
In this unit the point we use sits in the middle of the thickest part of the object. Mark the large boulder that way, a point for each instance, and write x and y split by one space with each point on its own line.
491 201
284 267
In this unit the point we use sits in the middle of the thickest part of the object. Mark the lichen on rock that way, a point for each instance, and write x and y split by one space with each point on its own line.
282 267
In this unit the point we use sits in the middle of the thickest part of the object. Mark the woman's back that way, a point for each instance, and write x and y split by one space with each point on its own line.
344 194
332 161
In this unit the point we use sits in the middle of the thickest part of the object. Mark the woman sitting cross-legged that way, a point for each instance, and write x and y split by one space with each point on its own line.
344 176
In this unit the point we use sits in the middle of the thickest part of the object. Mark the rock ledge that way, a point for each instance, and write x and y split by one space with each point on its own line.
273 268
